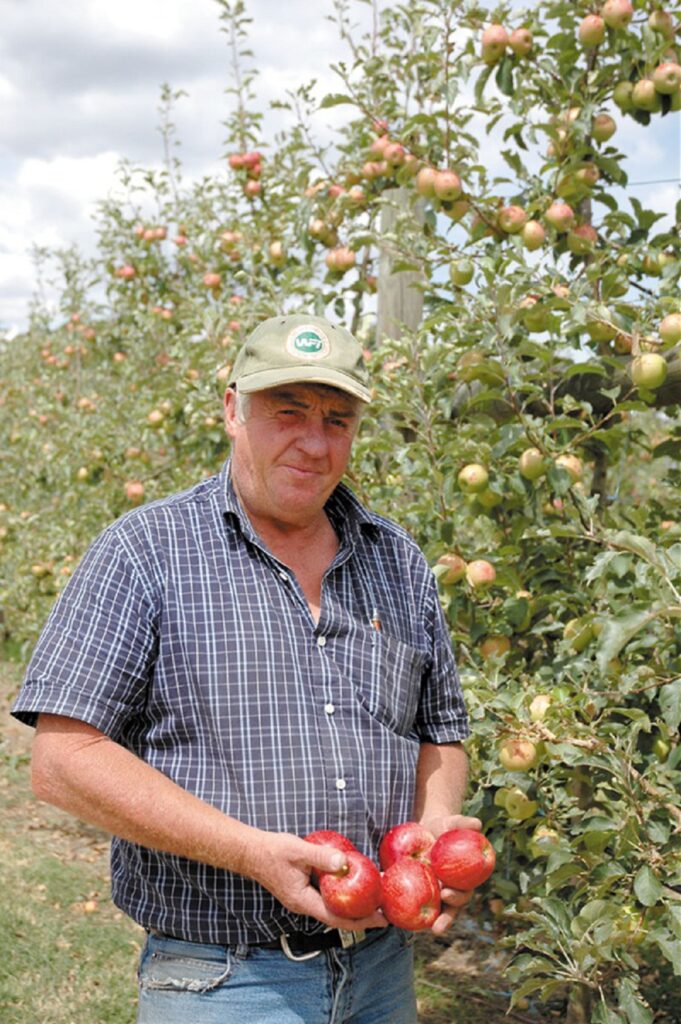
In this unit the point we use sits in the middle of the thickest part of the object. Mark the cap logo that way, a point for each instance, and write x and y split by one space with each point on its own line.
308 342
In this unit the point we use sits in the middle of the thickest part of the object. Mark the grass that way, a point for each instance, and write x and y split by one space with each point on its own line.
68 956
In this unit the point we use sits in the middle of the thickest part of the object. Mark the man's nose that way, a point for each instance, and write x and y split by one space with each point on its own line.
312 438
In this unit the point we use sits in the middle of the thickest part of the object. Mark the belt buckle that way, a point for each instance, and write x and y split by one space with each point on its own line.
349 939
296 957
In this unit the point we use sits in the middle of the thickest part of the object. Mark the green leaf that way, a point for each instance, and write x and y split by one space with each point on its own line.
617 633
670 704
334 99
647 887
504 76
635 1009
670 448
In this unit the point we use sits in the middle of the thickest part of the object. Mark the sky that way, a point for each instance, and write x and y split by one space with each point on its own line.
80 87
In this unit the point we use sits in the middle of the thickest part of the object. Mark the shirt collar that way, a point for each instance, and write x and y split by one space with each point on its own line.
347 514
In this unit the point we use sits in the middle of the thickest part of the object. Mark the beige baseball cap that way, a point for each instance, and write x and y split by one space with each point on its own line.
299 349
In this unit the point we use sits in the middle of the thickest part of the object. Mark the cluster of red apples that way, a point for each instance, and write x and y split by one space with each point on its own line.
414 868
251 163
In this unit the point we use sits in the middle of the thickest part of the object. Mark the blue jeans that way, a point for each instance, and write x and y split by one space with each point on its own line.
191 983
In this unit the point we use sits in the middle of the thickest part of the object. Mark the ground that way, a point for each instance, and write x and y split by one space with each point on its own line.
68 955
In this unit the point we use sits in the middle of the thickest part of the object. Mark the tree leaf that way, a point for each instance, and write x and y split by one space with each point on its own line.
647 887
670 703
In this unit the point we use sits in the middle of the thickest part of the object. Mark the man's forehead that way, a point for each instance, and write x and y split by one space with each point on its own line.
312 394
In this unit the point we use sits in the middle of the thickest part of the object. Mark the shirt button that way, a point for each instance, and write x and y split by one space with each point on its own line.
329 708
283 576
321 641
340 783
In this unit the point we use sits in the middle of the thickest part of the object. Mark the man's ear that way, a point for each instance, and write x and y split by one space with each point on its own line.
229 405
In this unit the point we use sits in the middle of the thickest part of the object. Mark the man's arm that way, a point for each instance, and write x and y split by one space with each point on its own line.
83 771
441 778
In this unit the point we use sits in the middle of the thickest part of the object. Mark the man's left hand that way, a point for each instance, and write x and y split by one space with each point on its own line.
453 900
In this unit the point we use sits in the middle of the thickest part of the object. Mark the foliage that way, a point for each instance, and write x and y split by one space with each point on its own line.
123 385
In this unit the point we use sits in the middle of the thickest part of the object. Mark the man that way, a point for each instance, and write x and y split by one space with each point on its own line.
236 666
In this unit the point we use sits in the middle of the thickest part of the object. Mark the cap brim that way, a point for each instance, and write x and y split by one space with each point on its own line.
265 379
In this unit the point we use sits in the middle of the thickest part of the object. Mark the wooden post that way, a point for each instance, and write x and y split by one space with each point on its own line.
400 298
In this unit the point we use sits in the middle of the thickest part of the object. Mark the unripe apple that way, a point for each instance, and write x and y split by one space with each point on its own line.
587 175
461 272
276 253
648 371
544 841
518 754
480 573
667 78
539 705
617 13
662 22
447 185
456 210
519 806
155 418
425 182
533 235
532 464
579 633
512 219
520 41
645 96
494 43
582 239
592 30
560 216
495 647
455 568
473 478
622 96
572 466
603 127
670 329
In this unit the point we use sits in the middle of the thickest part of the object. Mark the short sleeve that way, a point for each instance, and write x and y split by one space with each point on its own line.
442 715
94 655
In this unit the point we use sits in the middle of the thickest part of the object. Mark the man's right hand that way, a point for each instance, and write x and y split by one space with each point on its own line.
283 864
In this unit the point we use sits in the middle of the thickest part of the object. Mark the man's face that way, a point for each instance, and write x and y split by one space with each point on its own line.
291 451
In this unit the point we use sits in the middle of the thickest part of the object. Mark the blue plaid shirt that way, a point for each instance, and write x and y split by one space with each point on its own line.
182 638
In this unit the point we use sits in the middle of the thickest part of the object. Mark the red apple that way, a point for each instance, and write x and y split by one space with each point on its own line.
134 491
520 41
480 573
410 839
463 858
455 568
327 837
425 182
473 478
447 185
411 895
533 235
617 13
126 272
592 30
560 216
512 219
667 78
603 127
212 280
354 891
494 43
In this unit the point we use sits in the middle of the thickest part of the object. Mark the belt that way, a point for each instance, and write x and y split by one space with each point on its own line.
304 946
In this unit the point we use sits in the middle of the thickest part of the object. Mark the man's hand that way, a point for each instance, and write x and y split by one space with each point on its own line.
283 864
454 900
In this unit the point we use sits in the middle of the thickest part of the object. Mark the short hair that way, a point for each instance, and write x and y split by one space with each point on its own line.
241 405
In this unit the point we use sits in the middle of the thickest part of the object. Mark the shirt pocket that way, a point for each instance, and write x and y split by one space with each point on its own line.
391 688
